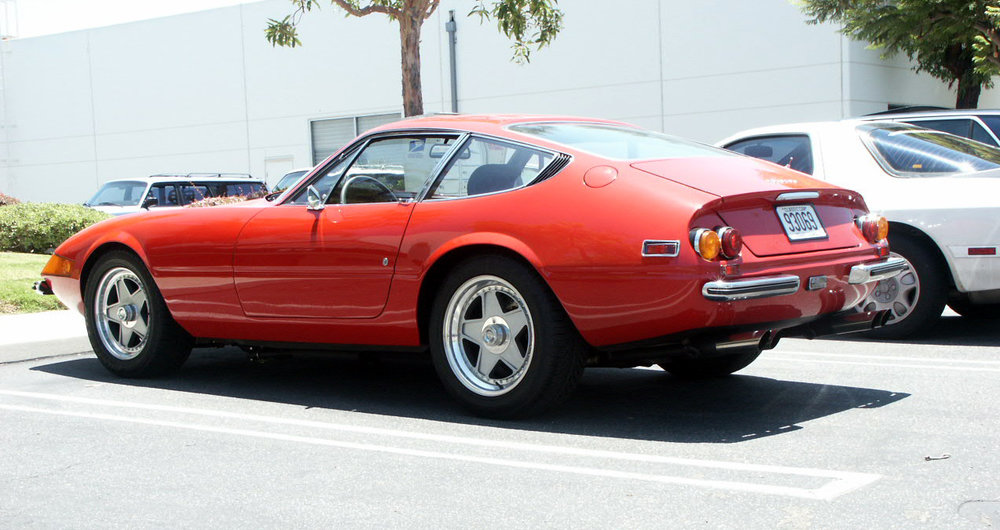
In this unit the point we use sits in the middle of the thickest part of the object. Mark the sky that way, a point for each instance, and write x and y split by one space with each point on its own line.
44 17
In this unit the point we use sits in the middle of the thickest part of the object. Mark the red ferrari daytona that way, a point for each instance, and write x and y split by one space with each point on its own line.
518 249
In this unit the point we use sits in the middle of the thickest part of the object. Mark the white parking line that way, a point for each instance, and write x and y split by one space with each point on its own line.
889 357
838 482
930 364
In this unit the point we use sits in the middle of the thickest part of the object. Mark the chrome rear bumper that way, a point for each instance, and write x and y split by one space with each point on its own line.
873 272
728 291
732 290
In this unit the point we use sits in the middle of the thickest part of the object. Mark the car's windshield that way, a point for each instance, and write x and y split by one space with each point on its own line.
289 180
119 193
912 152
617 142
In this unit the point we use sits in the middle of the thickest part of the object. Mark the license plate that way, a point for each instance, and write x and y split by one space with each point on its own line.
800 222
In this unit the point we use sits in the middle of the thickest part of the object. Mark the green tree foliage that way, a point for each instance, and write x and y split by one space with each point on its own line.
948 39
528 23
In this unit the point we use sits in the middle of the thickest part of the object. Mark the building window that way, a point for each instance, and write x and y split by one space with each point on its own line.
330 135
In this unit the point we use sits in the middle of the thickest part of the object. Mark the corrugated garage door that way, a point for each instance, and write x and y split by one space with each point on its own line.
330 135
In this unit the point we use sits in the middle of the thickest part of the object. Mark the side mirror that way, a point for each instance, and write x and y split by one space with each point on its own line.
150 202
314 198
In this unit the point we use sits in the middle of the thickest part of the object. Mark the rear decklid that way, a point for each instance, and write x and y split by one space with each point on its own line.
778 211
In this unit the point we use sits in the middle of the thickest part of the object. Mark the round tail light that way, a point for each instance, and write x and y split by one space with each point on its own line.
875 228
731 242
706 243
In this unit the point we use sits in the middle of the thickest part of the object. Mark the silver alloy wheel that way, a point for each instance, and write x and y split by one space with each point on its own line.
898 294
489 336
121 313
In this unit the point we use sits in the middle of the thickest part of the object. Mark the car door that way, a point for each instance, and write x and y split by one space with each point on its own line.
336 262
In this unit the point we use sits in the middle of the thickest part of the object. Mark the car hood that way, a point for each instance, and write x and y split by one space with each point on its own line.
734 175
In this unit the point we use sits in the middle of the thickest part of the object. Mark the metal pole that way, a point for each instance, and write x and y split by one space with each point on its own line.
451 28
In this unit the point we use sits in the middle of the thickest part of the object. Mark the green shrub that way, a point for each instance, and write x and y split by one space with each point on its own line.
41 227
7 200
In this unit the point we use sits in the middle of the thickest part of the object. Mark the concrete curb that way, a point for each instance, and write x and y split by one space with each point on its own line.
30 336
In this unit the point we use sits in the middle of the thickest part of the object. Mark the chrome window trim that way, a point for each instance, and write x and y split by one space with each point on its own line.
648 242
439 167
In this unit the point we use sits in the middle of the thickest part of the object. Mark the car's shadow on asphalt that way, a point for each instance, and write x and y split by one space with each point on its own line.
635 404
947 331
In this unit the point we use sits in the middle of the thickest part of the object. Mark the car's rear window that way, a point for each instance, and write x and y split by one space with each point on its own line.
618 142
910 152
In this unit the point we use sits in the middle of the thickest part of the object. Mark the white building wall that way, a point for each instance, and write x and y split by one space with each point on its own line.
206 92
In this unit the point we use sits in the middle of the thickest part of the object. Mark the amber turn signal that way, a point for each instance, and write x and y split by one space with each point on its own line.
57 266
706 243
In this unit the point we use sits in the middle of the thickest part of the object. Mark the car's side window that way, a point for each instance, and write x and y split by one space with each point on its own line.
793 151
484 165
389 169
980 134
957 126
193 193
165 195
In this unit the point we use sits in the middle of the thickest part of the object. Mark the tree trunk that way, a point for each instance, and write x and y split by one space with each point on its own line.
409 36
968 92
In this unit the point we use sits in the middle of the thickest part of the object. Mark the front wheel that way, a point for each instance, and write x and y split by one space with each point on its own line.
501 342
129 325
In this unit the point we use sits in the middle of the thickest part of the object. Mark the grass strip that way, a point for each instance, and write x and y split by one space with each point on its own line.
18 272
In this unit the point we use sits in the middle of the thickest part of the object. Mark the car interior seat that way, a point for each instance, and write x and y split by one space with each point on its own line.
489 178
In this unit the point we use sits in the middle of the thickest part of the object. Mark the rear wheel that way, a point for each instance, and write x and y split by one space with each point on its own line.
709 367
129 325
501 342
915 297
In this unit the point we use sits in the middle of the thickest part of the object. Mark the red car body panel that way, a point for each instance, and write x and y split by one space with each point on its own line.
352 274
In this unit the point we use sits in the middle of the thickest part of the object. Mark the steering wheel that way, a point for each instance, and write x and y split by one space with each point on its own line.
383 191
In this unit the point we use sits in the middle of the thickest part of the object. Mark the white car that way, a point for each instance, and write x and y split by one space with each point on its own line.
290 179
938 191
119 197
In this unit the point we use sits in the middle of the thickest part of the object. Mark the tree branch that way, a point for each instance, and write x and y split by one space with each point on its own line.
431 8
367 10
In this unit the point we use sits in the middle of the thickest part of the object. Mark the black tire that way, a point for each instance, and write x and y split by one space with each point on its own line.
551 351
685 368
967 309
165 345
926 304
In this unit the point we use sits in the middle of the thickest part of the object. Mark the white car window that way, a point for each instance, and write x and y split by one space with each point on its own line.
908 152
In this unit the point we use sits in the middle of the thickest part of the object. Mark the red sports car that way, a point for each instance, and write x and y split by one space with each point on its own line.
518 249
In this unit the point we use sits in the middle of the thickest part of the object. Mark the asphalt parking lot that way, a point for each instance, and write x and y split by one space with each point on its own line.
815 434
